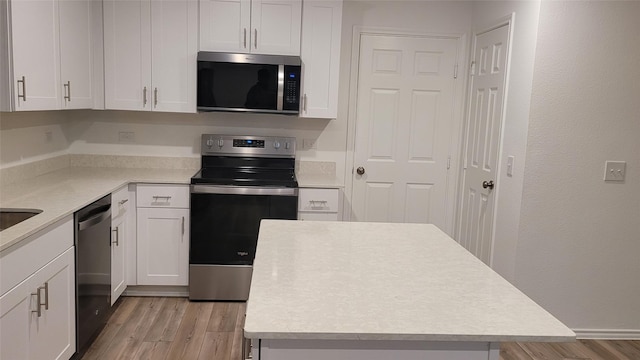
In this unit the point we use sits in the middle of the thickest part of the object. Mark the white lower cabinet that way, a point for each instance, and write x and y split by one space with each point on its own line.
37 317
163 235
119 241
319 204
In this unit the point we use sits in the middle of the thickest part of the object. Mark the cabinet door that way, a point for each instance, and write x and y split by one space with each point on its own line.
174 25
15 315
320 53
163 246
225 25
127 54
119 239
53 334
275 26
76 73
36 56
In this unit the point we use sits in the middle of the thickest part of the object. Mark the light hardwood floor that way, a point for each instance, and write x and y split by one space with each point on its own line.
174 328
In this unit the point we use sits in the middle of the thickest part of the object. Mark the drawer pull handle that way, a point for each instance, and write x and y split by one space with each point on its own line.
122 202
156 197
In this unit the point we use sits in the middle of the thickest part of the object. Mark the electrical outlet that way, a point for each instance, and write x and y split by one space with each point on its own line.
308 144
510 160
126 137
614 170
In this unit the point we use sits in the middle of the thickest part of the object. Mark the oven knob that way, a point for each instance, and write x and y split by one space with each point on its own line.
220 143
210 142
287 145
276 144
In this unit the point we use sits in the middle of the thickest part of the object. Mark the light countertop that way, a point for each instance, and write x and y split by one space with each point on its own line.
378 281
328 181
61 193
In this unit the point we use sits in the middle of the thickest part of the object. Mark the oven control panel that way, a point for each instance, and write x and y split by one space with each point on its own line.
260 146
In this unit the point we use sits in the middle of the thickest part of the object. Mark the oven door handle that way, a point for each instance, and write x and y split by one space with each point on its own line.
243 190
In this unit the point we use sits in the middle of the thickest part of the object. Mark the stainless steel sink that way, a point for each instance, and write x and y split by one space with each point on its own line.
10 217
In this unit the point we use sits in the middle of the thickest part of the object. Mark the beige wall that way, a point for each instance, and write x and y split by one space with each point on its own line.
579 240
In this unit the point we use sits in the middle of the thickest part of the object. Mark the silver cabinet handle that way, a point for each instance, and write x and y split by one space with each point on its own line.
38 295
183 227
67 90
117 241
155 97
156 197
122 202
46 296
304 103
244 41
144 96
24 89
255 38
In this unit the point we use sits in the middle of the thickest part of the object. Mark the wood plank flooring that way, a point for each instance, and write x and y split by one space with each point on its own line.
174 328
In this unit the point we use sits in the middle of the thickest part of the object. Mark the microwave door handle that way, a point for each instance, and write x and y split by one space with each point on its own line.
280 102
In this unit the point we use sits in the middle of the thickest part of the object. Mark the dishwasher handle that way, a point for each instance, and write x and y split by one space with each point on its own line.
99 215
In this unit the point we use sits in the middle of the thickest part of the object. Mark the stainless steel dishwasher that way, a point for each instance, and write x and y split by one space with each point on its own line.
93 271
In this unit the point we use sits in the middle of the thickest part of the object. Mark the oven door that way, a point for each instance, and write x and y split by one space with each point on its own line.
225 221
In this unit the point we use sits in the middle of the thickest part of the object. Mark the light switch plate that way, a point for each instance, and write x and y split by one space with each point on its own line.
615 170
510 160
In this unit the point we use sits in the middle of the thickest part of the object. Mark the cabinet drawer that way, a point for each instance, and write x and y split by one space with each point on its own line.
166 196
318 216
35 252
318 200
120 201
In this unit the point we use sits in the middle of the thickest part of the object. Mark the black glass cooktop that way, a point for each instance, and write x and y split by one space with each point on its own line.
245 177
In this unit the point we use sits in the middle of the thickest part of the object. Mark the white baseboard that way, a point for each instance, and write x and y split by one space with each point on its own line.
607 334
153 290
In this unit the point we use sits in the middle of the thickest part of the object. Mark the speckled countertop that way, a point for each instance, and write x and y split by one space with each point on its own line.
377 281
61 193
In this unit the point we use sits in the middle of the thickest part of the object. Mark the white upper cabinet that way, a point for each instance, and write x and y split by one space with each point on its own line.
251 26
225 25
150 50
76 54
321 28
36 55
48 55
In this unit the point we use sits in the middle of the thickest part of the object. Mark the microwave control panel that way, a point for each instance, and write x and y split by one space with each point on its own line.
291 94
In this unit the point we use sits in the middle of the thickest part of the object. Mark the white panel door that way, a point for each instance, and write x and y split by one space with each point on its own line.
225 25
127 54
275 26
404 127
483 141
36 56
76 72
163 246
174 25
320 53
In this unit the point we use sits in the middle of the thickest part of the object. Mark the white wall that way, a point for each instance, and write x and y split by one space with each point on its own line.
24 136
579 247
524 31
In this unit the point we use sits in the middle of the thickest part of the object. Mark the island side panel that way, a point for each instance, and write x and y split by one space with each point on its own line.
375 350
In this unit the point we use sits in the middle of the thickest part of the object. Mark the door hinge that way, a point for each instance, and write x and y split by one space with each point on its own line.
449 163
473 68
455 71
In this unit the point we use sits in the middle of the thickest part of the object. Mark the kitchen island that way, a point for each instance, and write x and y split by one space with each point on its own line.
343 290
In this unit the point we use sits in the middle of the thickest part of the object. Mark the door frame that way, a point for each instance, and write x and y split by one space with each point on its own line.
459 101
503 21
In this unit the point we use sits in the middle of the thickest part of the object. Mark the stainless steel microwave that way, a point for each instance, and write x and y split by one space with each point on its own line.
248 83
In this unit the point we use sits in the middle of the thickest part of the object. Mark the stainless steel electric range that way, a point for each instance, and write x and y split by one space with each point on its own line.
243 180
